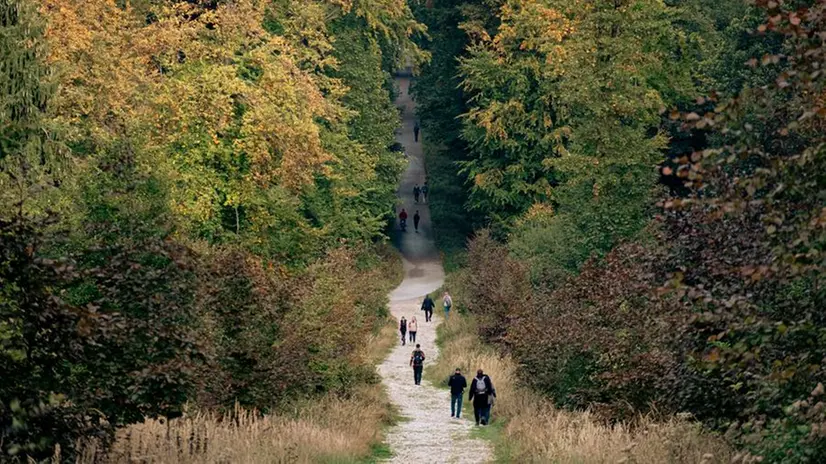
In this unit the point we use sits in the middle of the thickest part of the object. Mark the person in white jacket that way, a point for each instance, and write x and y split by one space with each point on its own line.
447 303
412 328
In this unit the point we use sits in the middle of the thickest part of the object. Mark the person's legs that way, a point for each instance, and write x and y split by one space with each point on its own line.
476 413
403 334
417 374
459 400
413 337
453 404
486 415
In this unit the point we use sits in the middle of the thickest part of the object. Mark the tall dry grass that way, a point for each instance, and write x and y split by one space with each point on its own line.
535 431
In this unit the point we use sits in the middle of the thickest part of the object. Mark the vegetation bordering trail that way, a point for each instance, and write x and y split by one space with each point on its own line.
193 201
526 427
644 181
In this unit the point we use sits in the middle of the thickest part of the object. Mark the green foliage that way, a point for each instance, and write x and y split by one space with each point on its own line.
713 308
215 239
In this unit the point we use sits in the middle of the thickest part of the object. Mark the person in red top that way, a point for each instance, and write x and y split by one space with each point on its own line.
403 219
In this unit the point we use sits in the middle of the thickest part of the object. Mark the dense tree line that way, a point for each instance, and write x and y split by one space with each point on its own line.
193 194
651 175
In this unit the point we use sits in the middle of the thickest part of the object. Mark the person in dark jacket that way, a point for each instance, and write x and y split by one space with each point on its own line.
481 394
416 131
457 384
403 328
417 363
427 307
416 219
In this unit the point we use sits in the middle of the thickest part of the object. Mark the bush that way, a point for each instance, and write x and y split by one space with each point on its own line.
91 341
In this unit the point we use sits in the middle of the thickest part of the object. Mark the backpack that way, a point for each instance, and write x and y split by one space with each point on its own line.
418 357
481 386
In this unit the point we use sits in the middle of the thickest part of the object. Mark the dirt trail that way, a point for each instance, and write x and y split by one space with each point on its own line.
428 434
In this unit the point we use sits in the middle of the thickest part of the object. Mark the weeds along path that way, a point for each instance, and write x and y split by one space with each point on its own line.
427 434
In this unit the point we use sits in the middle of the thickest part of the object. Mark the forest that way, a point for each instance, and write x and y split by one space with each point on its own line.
196 198
194 194
644 187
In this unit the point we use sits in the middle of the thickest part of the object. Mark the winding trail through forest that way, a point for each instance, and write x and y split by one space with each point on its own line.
427 434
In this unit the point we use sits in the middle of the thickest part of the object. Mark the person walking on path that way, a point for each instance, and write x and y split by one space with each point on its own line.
416 131
416 192
481 394
403 219
424 192
447 303
412 328
427 307
417 361
416 219
457 384
403 328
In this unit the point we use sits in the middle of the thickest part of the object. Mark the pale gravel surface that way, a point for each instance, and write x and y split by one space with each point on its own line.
427 434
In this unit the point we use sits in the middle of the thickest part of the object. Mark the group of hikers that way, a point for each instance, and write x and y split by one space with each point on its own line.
410 328
418 192
481 392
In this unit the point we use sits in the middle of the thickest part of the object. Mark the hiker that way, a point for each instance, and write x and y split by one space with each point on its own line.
424 192
427 307
417 361
403 219
412 328
447 302
416 132
416 219
403 329
457 384
416 192
482 394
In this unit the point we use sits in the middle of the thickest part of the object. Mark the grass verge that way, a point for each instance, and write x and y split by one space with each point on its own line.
527 428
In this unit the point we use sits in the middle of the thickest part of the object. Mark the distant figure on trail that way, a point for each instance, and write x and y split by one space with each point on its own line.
427 307
403 219
417 361
416 192
447 303
457 384
482 394
416 132
416 219
403 328
424 192
412 328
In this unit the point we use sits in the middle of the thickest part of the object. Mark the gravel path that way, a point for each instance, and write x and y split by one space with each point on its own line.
428 434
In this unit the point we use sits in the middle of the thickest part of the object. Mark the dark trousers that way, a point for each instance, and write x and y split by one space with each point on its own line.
413 336
417 374
403 333
416 224
415 136
481 409
428 314
456 404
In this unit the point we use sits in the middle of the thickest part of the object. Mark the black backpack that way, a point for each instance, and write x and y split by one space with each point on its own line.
418 358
